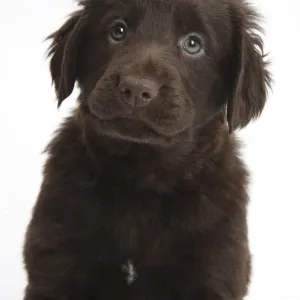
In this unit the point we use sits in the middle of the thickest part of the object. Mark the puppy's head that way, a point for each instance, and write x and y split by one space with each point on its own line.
154 71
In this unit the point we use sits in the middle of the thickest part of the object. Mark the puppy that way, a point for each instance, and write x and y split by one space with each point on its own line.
144 195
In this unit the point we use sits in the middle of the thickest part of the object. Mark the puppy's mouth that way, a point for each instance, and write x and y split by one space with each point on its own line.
165 118
131 126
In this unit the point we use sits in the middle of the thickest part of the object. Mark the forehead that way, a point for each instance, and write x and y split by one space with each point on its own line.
206 9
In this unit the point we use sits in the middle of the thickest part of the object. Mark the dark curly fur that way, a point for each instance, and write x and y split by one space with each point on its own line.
158 188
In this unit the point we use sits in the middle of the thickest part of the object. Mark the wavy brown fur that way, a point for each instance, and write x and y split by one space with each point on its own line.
168 193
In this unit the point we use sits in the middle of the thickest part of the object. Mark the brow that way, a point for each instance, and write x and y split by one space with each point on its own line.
191 17
104 3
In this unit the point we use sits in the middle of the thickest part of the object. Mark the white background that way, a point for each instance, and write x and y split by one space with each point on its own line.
28 117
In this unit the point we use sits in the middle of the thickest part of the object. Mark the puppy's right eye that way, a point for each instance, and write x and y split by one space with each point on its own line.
118 31
192 44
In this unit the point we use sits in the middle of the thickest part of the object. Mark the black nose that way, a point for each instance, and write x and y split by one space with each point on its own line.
136 91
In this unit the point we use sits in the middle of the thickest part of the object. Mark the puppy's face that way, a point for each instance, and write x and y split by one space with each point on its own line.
153 71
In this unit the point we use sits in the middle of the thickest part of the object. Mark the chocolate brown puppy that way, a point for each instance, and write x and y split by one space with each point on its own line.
144 195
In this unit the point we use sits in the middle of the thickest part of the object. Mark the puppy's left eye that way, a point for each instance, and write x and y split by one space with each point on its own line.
118 31
192 44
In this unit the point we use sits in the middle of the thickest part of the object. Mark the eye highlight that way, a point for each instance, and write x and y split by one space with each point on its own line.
118 31
192 44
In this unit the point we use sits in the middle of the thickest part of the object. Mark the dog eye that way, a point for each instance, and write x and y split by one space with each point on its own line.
193 44
118 31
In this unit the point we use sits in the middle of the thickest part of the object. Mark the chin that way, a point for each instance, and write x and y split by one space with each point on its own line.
132 128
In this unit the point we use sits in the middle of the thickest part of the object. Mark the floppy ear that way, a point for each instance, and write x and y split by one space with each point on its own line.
64 53
252 79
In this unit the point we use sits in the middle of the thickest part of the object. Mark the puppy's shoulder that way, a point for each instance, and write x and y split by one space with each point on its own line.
67 155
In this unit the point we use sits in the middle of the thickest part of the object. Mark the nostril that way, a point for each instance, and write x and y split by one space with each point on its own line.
125 91
146 96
